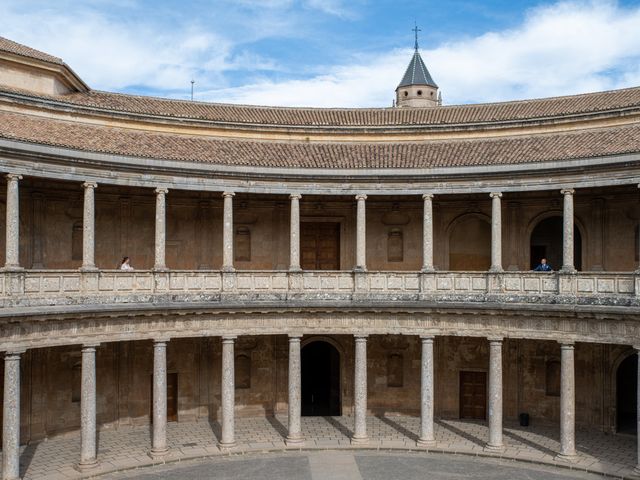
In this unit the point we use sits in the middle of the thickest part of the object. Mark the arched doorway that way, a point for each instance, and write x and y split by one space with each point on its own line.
470 244
546 242
320 379
626 395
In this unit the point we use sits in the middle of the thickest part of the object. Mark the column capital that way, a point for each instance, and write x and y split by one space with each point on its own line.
161 341
495 194
229 338
427 338
566 345
567 191
14 177
161 190
295 337
361 196
360 337
86 347
89 185
14 354
228 194
427 196
295 196
495 339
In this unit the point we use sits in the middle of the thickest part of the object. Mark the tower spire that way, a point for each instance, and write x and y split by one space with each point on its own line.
416 30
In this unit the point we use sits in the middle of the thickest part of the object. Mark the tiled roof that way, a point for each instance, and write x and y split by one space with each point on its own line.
440 153
16 48
417 73
227 114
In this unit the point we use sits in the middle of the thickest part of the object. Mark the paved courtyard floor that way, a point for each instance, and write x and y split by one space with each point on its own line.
127 447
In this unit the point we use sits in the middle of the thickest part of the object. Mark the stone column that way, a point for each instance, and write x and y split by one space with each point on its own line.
294 241
11 417
12 255
496 232
567 232
88 444
159 446
636 470
161 231
228 393
427 435
360 391
361 235
567 403
495 396
294 436
88 227
427 233
227 232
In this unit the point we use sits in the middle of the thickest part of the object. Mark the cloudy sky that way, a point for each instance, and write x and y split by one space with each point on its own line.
335 53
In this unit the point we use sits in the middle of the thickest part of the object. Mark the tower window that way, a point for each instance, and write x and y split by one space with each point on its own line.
419 92
406 93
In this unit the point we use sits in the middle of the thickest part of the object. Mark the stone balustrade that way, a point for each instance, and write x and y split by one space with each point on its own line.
63 287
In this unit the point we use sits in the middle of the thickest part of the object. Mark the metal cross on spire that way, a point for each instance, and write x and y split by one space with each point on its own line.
416 30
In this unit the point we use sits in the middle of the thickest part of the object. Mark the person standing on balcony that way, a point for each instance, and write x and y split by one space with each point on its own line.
125 264
543 266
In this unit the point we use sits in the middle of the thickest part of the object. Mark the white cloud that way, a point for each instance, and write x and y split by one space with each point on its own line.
565 48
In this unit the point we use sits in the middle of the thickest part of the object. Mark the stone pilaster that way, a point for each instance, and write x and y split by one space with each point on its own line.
567 403
11 417
427 435
360 391
294 233
12 254
495 443
159 446
228 439
496 232
294 437
88 444
427 233
227 232
567 232
161 230
88 227
361 234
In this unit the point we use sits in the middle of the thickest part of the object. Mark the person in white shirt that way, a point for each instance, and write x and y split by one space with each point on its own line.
125 265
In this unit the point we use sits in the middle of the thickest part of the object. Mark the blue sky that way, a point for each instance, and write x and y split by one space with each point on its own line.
335 53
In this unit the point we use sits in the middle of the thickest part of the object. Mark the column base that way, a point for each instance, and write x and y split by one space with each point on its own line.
567 458
294 441
568 270
359 440
87 465
158 453
228 269
360 269
158 269
227 445
295 270
636 471
12 268
423 443
89 269
496 270
494 448
428 270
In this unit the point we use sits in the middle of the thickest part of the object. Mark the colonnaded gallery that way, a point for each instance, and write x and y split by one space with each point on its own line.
313 262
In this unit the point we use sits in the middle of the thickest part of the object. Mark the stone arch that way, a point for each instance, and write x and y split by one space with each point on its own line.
469 256
579 230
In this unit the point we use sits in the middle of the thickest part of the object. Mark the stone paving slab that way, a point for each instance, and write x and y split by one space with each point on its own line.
127 447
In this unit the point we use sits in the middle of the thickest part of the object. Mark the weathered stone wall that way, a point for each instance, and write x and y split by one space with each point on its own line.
124 379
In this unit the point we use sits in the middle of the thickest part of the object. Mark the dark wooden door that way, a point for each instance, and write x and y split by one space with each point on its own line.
473 395
172 397
320 245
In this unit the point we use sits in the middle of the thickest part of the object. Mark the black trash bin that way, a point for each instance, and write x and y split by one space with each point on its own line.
524 419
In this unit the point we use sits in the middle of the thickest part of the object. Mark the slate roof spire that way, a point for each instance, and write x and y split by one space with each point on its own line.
417 72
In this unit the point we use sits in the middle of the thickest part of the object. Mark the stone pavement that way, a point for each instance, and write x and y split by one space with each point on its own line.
127 447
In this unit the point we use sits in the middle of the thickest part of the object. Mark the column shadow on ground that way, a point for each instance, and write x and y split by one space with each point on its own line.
278 426
529 443
460 433
216 428
26 457
397 427
339 426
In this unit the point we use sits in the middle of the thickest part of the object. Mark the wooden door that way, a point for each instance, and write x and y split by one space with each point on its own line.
320 245
172 397
473 395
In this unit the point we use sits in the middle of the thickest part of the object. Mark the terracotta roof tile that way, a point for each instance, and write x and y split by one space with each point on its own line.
427 154
16 48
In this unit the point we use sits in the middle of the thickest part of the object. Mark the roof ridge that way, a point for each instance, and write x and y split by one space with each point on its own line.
10 46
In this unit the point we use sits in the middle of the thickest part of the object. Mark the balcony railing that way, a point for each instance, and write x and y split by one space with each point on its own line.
63 287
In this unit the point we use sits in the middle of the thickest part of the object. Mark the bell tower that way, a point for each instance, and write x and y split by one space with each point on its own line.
417 88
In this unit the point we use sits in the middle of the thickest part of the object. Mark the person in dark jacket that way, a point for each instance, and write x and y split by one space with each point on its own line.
543 267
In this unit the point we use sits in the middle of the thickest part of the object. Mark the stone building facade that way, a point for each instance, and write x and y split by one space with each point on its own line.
312 261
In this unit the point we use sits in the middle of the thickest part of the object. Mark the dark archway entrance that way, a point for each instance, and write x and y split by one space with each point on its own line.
546 242
626 393
320 379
